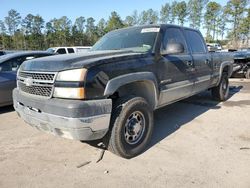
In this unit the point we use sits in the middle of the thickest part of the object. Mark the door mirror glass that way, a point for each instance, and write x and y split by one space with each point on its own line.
173 48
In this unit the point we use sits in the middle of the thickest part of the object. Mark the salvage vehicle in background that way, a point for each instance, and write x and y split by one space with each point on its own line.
242 63
110 92
9 65
69 50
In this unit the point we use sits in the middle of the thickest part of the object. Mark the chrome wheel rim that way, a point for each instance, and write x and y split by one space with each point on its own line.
134 128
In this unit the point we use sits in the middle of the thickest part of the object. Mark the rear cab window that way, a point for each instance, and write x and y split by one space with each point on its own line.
195 41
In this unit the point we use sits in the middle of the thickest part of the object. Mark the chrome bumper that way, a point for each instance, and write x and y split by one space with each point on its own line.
90 127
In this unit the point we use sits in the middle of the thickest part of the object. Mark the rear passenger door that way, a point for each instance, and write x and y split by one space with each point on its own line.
175 71
201 59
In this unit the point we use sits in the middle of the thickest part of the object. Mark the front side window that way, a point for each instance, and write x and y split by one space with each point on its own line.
14 64
173 35
5 67
61 51
11 65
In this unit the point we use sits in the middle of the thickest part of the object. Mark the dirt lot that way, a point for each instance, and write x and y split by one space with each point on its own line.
196 143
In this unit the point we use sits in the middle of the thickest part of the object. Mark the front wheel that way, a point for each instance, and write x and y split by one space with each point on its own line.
131 126
221 92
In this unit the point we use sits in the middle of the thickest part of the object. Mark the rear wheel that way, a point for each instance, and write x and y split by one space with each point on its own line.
221 92
131 127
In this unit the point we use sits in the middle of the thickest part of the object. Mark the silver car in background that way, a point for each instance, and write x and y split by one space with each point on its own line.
9 65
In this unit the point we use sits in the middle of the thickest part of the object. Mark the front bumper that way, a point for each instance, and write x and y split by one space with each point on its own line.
73 119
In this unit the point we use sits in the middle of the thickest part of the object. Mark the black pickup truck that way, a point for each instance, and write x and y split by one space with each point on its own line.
110 92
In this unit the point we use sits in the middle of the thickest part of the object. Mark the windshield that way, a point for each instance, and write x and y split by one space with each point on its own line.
51 50
136 39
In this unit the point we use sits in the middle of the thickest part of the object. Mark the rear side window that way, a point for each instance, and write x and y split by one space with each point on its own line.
195 41
71 50
173 35
61 51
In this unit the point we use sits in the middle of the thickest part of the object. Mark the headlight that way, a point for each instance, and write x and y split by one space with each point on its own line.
69 93
75 75
72 75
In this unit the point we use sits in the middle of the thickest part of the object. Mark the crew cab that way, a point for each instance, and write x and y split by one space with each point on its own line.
110 93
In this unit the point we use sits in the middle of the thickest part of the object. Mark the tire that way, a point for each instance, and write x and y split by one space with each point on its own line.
131 127
247 74
221 92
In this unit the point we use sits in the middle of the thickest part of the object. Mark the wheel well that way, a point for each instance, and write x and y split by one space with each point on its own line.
145 89
226 70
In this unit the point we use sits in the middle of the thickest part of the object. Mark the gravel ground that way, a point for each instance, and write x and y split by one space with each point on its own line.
196 143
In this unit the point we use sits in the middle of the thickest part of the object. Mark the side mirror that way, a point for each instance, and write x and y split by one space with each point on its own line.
173 48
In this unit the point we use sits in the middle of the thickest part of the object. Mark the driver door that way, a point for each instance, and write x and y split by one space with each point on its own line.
175 70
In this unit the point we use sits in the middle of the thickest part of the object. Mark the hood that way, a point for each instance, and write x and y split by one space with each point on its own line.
80 60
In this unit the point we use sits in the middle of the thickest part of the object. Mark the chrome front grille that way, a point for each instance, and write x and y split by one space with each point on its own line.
37 76
36 90
36 83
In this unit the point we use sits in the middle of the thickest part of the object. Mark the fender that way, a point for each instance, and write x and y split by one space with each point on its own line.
230 70
114 84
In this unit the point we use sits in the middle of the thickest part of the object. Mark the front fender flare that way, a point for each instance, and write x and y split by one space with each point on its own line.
114 84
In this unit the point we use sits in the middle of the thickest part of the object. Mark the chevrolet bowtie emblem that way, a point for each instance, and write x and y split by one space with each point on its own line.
28 81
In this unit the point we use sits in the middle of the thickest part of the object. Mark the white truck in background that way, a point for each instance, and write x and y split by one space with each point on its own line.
68 50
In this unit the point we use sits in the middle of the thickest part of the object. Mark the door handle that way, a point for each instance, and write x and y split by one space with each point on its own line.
189 63
207 62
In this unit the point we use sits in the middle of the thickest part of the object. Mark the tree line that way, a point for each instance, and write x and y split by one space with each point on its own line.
231 22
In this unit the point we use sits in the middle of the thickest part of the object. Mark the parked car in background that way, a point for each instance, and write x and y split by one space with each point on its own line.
218 46
68 50
242 63
212 47
9 65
